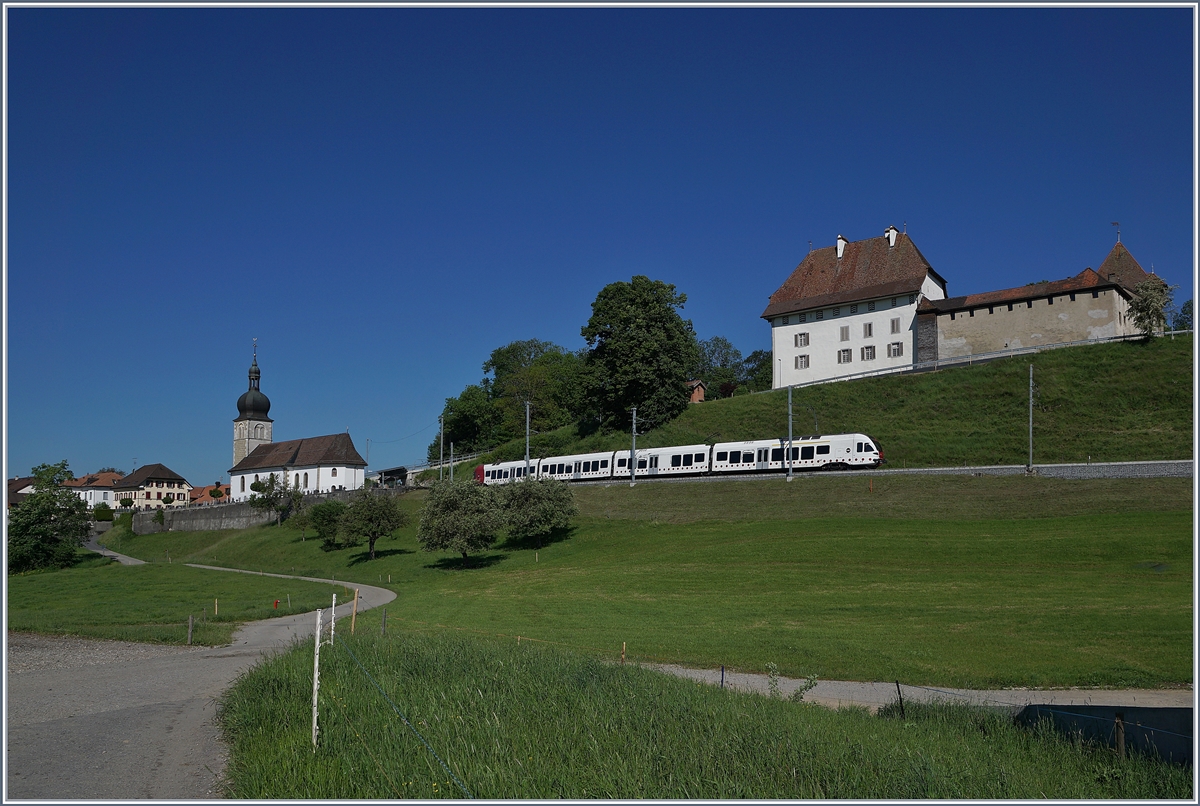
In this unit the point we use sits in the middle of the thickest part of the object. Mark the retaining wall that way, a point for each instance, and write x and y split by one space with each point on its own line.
201 519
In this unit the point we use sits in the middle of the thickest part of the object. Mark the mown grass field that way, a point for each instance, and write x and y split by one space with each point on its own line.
973 582
535 722
1117 402
151 603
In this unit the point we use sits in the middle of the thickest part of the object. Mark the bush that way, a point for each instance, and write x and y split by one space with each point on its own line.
537 507
326 520
102 512
460 516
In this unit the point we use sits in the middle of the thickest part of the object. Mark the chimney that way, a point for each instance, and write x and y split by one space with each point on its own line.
841 246
891 233
1112 277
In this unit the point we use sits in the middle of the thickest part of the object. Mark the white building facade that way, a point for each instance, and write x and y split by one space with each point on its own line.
849 309
312 465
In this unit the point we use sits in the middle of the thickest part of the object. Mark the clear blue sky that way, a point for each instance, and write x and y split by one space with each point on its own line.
384 196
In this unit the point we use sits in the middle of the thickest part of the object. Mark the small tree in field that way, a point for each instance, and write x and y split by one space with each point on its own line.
326 520
269 494
370 517
537 507
460 516
1149 307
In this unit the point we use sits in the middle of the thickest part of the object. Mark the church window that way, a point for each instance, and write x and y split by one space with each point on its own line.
256 477
243 479
333 472
296 483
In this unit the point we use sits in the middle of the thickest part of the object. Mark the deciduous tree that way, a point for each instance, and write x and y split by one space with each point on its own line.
460 516
269 493
326 520
1182 319
1149 306
370 517
641 352
537 507
46 529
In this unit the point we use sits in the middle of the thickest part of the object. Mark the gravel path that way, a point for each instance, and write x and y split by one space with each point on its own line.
112 720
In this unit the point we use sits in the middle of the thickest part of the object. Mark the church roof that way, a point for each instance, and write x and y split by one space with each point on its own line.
867 269
334 449
145 473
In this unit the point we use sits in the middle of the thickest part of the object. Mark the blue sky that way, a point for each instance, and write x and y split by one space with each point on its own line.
383 196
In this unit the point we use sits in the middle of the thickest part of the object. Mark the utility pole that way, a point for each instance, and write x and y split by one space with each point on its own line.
526 439
789 448
633 450
451 461
441 447
1029 467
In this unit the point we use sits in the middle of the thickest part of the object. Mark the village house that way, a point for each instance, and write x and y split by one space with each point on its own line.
95 488
153 486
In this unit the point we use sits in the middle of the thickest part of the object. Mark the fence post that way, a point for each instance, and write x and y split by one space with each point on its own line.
214 608
189 643
622 653
901 696
332 618
316 677
1120 734
383 623
354 612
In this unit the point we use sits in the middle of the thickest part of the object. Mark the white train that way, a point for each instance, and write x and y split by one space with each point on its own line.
814 452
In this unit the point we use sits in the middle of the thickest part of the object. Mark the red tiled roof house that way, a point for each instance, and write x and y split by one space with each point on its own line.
850 308
313 465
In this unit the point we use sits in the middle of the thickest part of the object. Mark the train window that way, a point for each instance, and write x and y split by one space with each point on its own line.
747 457
676 460
806 452
687 460
699 458
776 454
859 450
653 461
587 467
621 462
795 454
822 449
869 447
562 468
722 456
603 463
505 474
641 464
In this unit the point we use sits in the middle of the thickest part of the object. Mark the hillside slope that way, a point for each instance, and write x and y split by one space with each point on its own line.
1111 402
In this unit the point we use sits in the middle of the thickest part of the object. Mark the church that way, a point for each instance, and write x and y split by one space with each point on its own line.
312 465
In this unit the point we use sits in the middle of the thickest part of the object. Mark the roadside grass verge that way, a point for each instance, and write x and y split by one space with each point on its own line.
933 581
1117 402
151 603
535 722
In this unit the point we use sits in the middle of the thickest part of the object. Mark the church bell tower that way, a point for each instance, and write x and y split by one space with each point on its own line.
252 426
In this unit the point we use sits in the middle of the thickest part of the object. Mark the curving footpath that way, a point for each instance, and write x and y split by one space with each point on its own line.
112 720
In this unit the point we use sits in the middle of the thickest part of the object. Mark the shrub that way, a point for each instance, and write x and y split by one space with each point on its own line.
102 512
326 520
537 507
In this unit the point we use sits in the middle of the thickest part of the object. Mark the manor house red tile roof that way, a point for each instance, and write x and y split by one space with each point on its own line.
867 269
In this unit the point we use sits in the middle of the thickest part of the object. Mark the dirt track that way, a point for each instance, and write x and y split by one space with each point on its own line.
114 720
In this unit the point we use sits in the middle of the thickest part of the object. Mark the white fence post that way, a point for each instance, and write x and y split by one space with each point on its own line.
316 677
332 619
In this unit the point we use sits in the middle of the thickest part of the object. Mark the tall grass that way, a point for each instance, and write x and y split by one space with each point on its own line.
534 722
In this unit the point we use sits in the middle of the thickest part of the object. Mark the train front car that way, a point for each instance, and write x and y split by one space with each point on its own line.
867 451
506 472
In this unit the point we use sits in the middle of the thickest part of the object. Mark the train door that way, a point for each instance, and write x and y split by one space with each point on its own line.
762 458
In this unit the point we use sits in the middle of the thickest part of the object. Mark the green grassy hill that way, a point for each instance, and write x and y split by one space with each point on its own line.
1126 401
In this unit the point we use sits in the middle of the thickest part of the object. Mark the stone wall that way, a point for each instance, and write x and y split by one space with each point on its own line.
201 519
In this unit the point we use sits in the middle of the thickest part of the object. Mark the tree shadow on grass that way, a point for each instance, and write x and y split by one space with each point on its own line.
365 556
458 564
538 541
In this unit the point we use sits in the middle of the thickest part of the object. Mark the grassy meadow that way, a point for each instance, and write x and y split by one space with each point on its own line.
971 581
1118 402
535 722
99 598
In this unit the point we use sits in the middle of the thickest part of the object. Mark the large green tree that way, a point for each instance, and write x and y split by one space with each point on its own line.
641 352
46 529
460 516
549 377
720 366
756 371
370 517
326 519
471 421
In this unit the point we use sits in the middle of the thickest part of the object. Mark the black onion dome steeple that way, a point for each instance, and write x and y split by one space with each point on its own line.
253 404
